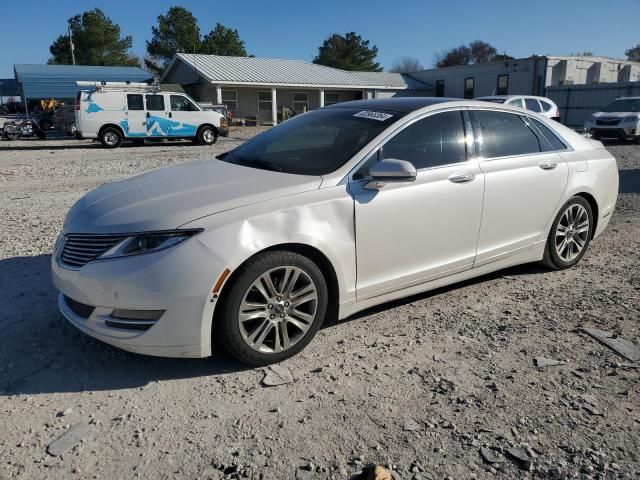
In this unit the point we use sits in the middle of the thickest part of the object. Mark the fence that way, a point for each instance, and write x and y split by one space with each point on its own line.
578 102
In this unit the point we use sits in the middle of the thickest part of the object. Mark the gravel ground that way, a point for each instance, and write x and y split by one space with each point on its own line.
420 385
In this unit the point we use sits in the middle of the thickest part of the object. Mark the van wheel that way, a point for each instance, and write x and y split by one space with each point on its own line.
207 135
111 137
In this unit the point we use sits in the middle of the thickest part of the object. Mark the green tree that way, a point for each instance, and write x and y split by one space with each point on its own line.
476 52
177 31
633 54
96 40
406 65
223 41
348 52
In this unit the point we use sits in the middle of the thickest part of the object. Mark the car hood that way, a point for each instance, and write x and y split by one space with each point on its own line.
169 197
613 114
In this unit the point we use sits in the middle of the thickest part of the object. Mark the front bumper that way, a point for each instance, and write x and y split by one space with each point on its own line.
178 280
223 131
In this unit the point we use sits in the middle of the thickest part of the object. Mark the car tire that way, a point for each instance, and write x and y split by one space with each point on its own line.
570 234
206 135
45 124
271 323
111 137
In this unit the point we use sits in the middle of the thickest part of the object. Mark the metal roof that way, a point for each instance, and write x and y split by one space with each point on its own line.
281 72
396 104
59 81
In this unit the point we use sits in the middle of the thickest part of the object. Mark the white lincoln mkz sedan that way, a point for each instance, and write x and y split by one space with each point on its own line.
329 213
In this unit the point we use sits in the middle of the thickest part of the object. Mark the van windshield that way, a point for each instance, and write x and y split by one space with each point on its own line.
314 143
624 105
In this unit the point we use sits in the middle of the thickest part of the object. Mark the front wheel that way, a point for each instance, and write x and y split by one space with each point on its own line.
207 135
570 234
273 308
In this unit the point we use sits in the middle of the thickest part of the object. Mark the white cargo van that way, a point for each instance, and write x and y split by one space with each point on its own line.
114 112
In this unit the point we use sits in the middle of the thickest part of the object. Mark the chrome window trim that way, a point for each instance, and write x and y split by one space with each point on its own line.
483 159
470 140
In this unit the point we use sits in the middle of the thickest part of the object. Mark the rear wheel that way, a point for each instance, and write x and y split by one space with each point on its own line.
111 137
206 135
570 234
273 309
45 124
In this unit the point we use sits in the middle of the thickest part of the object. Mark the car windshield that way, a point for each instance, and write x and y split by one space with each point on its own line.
494 100
314 143
624 105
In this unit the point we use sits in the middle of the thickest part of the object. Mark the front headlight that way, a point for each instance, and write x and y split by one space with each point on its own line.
148 242
631 118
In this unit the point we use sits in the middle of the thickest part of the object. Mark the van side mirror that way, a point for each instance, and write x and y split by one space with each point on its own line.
390 170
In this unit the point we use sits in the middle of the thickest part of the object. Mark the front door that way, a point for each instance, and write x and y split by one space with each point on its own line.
184 116
525 179
411 233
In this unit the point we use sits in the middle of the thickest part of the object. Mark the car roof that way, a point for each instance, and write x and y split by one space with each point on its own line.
397 104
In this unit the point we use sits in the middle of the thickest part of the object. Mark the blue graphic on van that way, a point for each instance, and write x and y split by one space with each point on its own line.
160 127
93 107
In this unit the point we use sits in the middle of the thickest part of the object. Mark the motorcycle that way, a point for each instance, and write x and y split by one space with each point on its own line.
21 129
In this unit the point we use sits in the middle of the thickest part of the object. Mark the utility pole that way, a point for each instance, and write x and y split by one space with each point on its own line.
73 55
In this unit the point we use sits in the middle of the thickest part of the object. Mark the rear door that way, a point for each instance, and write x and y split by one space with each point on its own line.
524 184
136 121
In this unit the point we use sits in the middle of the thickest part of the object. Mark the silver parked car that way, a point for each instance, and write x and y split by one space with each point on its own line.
327 214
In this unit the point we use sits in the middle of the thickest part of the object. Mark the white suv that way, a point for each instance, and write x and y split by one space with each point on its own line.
620 119
541 105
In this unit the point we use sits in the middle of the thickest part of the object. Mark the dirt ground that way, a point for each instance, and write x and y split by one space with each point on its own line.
420 385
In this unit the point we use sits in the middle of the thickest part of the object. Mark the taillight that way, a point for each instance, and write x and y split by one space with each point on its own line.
78 100
557 112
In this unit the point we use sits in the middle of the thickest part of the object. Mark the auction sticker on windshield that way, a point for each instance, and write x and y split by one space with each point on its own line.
381 117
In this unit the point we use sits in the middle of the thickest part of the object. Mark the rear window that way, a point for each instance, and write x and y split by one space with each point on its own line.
553 143
532 104
155 102
546 106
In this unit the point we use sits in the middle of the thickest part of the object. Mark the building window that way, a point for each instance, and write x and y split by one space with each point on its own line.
300 102
264 101
469 86
230 99
439 88
331 98
503 85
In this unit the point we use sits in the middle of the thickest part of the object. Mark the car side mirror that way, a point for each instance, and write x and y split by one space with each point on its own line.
390 170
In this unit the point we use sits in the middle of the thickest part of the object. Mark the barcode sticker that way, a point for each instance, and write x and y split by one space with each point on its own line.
381 117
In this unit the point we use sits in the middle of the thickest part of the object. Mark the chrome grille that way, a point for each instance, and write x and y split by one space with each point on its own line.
607 121
79 249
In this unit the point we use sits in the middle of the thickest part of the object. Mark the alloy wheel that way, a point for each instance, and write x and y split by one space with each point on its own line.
111 138
208 136
278 309
572 232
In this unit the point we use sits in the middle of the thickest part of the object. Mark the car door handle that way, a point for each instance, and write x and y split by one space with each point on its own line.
548 164
461 177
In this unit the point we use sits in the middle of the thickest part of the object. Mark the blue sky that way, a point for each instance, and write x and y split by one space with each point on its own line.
295 28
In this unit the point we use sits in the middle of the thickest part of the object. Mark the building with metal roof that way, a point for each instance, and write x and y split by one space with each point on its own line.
263 88
59 81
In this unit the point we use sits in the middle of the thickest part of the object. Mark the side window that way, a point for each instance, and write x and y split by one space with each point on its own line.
502 87
516 102
431 142
553 143
155 102
546 106
505 134
181 104
532 104
134 101
469 87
